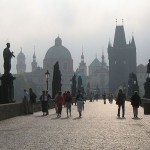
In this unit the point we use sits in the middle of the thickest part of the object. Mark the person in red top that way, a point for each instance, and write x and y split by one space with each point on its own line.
68 102
59 102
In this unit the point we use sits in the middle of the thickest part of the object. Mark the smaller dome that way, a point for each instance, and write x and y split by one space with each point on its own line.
21 55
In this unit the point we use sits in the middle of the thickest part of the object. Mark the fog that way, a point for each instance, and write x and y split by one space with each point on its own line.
87 23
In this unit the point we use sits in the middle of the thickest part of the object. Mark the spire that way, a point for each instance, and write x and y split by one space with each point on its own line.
103 57
119 39
34 56
133 42
20 49
82 56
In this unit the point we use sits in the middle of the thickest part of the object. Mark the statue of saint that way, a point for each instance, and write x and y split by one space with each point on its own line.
148 68
7 55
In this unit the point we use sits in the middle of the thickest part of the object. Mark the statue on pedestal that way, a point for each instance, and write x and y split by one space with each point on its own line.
7 87
147 83
7 55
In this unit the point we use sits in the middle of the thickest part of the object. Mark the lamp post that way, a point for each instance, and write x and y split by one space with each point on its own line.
71 86
47 74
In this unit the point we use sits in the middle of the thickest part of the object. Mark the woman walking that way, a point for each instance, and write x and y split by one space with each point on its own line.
80 103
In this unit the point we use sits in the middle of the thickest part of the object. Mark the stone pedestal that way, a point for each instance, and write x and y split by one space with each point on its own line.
147 88
6 89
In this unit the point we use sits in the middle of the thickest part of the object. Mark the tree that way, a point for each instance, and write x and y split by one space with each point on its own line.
56 82
132 84
73 87
79 82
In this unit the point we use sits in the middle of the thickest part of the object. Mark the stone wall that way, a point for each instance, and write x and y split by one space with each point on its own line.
16 109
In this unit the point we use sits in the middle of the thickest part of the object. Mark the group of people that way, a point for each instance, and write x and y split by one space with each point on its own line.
67 100
29 100
135 102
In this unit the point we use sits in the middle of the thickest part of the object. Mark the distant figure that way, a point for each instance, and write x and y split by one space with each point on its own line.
148 68
32 101
7 55
48 96
110 97
120 101
104 97
44 102
26 102
68 102
135 102
80 103
64 96
59 102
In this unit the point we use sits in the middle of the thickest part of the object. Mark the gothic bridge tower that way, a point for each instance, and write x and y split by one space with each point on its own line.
122 59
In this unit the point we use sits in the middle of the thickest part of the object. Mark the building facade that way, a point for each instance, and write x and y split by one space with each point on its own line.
122 59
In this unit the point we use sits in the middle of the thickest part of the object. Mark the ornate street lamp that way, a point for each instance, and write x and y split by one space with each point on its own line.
47 74
71 86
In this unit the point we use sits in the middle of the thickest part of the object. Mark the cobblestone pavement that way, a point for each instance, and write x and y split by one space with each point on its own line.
98 129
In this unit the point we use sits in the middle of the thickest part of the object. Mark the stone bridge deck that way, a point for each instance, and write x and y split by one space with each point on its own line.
98 129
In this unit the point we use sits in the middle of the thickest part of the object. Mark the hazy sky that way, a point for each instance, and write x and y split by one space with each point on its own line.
25 23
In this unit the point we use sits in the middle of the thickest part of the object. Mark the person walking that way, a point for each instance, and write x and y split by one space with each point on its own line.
120 101
59 102
44 102
80 103
48 97
32 101
26 101
135 102
104 97
68 102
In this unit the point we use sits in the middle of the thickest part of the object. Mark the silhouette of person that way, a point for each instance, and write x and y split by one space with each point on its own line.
7 55
148 68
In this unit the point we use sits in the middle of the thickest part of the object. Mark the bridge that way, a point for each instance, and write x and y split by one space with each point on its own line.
97 129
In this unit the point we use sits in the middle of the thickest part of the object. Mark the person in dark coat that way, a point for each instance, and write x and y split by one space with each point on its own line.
135 102
32 101
120 101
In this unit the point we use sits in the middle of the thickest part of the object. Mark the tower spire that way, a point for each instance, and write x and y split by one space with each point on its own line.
82 56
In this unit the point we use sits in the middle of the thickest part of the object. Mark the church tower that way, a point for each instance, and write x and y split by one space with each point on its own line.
122 59
82 65
34 63
21 66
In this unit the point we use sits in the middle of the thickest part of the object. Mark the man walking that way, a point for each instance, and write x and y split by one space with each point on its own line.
120 101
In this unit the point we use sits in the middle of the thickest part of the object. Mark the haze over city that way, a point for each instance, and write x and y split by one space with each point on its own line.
87 23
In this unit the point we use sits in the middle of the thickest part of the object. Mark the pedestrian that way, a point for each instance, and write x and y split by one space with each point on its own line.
120 101
135 102
64 96
32 101
80 103
48 97
59 102
104 97
26 101
110 97
44 102
68 102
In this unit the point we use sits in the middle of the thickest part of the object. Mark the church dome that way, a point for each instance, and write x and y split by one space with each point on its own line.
21 55
58 51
